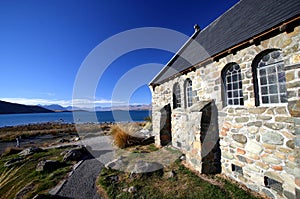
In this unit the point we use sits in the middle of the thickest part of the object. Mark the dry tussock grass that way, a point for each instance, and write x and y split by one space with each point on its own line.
119 136
131 128
123 135
11 150
10 133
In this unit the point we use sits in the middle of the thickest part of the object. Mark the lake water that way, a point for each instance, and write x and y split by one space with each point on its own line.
78 117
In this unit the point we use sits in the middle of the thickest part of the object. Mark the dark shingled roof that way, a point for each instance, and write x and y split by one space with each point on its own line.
243 21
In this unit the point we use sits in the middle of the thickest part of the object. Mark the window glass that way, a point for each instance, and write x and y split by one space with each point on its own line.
177 96
233 90
189 93
271 79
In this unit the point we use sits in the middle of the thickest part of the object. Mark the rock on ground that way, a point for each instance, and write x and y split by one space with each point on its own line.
75 154
48 165
30 151
146 167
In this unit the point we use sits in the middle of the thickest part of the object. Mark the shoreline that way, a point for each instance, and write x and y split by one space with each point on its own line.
8 120
51 133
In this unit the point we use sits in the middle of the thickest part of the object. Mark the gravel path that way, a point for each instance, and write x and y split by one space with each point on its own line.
81 184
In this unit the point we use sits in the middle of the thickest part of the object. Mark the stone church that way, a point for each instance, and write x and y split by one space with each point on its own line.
229 99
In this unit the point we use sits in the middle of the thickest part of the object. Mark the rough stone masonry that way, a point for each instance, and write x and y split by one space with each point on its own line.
256 145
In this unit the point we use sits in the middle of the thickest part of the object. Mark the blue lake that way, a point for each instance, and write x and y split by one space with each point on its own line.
78 117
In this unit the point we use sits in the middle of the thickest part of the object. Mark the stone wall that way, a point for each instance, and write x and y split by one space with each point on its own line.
260 145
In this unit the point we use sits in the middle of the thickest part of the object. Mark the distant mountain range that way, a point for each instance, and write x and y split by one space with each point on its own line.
11 108
132 107
54 107
58 108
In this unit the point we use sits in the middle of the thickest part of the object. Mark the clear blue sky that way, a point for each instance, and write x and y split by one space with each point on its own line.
43 43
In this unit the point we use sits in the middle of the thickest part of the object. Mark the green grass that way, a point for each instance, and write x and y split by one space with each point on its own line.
15 178
234 190
142 149
185 184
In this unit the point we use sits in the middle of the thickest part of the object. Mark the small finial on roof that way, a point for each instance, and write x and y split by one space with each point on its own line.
197 28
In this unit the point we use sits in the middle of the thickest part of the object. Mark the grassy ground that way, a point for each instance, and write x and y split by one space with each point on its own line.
24 177
142 149
31 130
25 131
185 183
127 134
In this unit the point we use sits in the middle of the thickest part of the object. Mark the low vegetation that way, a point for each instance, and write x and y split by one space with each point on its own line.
12 150
127 135
148 119
27 131
122 139
21 180
10 133
183 183
173 181
142 149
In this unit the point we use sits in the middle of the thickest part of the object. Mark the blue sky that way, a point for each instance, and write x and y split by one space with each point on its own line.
43 43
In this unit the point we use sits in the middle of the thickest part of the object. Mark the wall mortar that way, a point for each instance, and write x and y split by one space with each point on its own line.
263 140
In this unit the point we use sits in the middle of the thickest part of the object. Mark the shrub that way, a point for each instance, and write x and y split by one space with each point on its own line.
148 119
122 138
11 150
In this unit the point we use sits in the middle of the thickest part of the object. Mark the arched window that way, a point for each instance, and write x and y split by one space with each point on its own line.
232 80
269 78
188 92
176 96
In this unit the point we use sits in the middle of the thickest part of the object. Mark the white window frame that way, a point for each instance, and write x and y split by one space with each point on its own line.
238 81
189 93
277 83
177 95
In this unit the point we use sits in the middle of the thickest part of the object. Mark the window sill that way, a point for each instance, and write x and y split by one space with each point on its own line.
178 109
235 106
273 105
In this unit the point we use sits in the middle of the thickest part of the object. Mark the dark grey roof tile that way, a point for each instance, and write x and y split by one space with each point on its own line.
241 22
